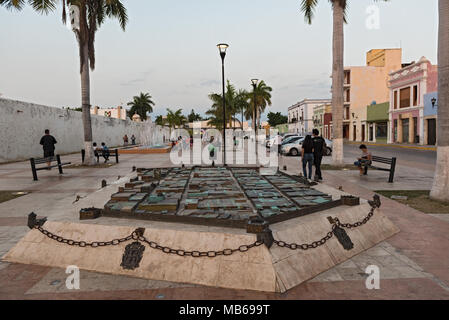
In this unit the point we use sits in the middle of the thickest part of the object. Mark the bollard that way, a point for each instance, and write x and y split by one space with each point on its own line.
259 226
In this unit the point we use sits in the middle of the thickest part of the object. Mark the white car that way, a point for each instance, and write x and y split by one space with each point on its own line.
294 148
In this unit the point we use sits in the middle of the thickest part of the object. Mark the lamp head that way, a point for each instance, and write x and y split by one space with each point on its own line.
222 47
254 82
434 101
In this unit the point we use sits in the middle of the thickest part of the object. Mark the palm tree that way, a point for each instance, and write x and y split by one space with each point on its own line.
141 105
216 110
339 18
92 14
160 121
440 189
175 119
262 96
241 103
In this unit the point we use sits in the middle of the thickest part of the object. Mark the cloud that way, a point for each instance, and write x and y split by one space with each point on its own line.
142 78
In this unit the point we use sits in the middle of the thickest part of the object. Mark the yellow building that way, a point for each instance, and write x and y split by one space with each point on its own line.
365 85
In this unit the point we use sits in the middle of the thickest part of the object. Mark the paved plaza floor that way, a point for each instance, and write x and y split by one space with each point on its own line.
414 264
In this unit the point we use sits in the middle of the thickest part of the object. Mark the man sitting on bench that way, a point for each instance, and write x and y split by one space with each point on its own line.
48 143
364 161
105 152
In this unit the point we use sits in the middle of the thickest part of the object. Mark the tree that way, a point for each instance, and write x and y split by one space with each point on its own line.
141 105
192 117
339 19
160 121
175 119
91 15
276 118
440 188
262 96
216 110
241 103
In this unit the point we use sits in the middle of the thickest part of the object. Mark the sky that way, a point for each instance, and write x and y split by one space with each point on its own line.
169 50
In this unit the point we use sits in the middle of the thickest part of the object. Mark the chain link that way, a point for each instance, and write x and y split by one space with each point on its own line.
209 254
357 224
316 244
152 244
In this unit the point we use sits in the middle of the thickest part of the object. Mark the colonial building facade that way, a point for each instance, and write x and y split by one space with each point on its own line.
367 85
300 115
408 86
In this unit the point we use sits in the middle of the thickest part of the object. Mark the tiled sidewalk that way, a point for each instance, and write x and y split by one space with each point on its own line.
414 264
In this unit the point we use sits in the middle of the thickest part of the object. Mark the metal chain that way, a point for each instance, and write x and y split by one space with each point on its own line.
198 254
316 244
152 244
305 246
357 224
83 244
210 254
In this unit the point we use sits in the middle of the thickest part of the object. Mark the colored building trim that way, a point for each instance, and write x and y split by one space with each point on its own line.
408 86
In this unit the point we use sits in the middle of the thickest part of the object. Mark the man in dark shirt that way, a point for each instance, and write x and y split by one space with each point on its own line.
48 143
319 145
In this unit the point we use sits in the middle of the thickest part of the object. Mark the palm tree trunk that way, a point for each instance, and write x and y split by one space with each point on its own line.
440 188
337 83
85 100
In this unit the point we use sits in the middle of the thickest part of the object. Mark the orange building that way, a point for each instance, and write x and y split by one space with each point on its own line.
365 85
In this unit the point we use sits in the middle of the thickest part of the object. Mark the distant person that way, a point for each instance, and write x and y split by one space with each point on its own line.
307 156
106 153
364 161
48 144
319 147
125 140
278 141
133 140
96 148
212 149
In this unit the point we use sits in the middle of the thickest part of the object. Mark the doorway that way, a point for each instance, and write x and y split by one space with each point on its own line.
432 132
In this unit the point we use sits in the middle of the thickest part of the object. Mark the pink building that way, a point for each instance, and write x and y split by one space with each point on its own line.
407 89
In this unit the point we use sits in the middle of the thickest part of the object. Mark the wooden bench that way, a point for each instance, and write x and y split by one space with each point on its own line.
36 161
388 161
100 153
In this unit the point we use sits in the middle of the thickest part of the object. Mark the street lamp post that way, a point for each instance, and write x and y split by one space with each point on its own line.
254 83
222 47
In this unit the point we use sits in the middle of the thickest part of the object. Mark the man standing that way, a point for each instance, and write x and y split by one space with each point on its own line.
48 143
319 145
278 141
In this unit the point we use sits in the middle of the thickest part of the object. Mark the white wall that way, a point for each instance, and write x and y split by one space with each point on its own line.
22 125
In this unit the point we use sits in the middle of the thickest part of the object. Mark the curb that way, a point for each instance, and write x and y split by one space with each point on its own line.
395 146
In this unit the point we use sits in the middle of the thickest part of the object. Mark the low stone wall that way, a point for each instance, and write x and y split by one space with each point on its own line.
22 124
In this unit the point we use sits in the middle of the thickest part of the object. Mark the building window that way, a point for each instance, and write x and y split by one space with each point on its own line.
347 77
405 97
415 95
395 102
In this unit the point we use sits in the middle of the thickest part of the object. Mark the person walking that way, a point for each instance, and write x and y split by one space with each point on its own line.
319 147
48 144
125 140
307 156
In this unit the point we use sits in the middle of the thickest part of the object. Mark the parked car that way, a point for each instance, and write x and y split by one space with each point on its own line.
293 147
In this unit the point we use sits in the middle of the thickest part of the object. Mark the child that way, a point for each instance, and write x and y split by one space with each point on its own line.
364 160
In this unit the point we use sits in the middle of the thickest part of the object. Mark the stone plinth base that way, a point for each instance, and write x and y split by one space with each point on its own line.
262 269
